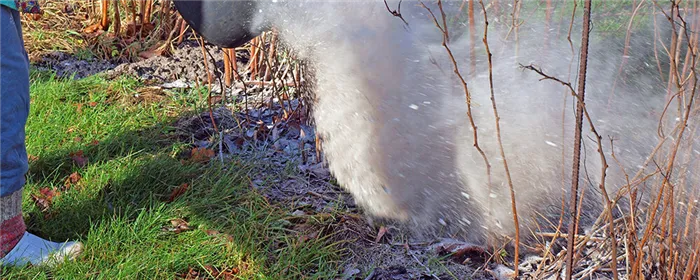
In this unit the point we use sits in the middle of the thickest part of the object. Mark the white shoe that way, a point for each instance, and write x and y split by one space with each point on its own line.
37 251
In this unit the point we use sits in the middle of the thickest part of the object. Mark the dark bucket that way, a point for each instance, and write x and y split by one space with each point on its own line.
227 24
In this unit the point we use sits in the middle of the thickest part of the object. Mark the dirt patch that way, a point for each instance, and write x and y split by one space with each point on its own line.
181 69
185 64
67 65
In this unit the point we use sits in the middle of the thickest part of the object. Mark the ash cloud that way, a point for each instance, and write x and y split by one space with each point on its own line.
393 115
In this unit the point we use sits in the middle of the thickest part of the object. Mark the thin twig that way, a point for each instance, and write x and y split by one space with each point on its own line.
466 92
397 12
625 52
671 159
500 143
427 269
206 68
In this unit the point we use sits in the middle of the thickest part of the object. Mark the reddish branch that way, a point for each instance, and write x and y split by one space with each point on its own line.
625 52
117 19
656 49
104 23
227 67
671 159
472 36
464 87
147 13
606 197
209 80
500 142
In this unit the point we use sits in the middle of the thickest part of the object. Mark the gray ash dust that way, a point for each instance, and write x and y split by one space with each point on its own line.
284 166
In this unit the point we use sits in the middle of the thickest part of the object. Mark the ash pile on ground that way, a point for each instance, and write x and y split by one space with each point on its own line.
179 70
185 65
67 65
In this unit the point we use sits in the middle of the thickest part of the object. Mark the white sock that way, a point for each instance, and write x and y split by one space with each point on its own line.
37 251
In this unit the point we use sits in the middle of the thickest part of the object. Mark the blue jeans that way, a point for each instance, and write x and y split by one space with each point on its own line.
14 102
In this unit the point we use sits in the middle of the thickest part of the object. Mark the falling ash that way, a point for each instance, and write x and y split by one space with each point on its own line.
393 116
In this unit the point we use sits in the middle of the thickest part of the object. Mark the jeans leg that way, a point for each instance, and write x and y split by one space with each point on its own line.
14 103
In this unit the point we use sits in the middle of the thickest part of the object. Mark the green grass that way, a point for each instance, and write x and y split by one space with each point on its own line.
119 207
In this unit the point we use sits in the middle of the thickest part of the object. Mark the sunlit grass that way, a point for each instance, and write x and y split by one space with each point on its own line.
119 207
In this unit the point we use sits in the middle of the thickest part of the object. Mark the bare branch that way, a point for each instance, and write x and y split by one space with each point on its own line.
500 143
466 92
397 12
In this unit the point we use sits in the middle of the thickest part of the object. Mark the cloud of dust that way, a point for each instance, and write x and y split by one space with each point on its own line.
393 115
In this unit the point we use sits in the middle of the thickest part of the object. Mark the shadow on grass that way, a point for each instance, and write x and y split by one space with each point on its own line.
121 209
130 169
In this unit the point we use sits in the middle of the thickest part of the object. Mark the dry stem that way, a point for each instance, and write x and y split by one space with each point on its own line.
500 142
577 138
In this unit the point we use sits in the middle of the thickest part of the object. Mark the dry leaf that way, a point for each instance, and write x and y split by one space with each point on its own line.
318 170
33 16
177 192
463 252
32 158
92 104
216 99
150 53
229 238
177 226
260 133
40 202
48 193
201 155
78 158
72 179
191 274
94 143
501 272
92 28
179 222
235 270
210 271
44 199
